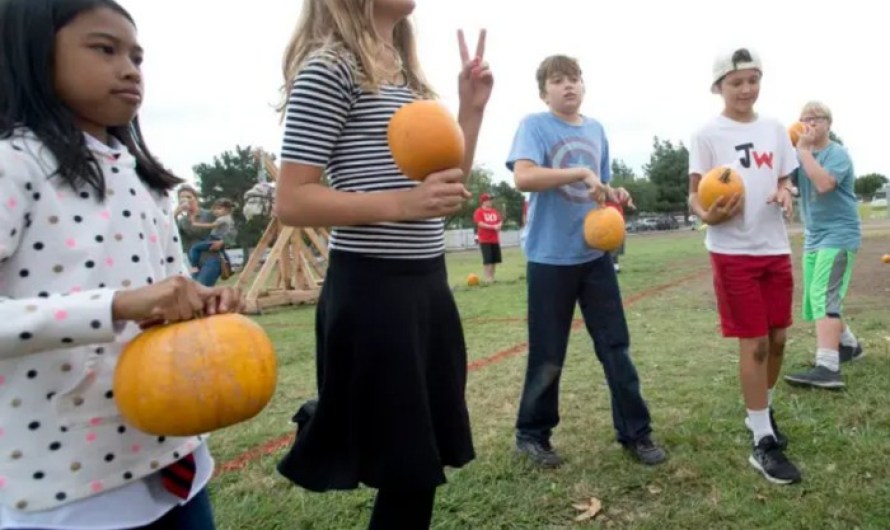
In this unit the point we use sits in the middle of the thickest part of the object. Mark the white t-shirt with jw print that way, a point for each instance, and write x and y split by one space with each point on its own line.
332 123
762 154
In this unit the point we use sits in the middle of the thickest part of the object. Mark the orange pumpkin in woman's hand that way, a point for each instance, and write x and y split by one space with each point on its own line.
795 130
604 229
425 138
195 377
719 182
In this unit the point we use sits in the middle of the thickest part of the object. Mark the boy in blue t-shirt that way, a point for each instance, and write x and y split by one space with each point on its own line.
562 158
832 237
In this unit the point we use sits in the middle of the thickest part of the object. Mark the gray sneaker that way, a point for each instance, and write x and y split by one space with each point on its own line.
647 451
851 353
819 376
540 454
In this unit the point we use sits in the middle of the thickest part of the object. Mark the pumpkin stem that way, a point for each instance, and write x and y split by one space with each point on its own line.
724 177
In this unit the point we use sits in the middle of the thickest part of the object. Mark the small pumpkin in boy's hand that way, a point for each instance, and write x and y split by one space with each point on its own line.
425 138
720 181
195 377
604 229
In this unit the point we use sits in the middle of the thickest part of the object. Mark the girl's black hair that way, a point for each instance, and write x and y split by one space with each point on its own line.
28 99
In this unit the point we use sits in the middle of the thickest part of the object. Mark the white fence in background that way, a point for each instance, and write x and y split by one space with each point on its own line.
466 239
455 240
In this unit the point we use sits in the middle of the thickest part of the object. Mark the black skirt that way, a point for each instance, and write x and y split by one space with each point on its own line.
392 369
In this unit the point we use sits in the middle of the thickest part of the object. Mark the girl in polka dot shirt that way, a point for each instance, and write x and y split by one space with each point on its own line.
89 252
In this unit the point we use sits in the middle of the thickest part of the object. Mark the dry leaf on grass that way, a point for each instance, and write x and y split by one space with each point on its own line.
653 489
590 509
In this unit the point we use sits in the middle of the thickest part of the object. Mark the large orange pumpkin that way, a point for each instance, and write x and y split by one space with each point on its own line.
195 377
425 138
795 130
604 229
720 181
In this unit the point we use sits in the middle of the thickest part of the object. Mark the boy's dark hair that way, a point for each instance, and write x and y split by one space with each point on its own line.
742 55
556 65
224 203
28 99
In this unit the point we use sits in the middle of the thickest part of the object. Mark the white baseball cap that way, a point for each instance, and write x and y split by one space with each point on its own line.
738 59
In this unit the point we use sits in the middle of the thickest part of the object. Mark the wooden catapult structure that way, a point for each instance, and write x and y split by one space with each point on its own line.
295 267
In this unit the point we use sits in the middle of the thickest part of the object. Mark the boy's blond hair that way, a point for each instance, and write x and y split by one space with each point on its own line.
349 25
556 65
817 108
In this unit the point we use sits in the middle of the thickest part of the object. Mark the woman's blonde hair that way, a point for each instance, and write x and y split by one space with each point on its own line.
349 25
818 108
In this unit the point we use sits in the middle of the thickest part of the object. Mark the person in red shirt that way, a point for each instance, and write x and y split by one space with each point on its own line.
488 222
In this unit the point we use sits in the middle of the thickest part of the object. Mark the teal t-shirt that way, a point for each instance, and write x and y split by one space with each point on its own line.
831 220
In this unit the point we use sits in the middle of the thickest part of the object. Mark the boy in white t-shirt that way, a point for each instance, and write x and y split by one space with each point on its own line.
748 244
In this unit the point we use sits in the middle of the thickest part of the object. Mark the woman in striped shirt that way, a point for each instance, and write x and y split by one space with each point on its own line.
391 358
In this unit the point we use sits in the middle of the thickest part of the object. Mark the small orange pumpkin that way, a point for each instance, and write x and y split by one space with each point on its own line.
885 258
473 279
425 138
795 130
720 181
604 229
195 377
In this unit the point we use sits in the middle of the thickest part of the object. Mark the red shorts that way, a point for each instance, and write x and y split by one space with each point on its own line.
754 293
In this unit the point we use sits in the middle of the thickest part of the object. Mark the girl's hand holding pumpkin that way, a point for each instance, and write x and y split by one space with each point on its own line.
439 195
174 299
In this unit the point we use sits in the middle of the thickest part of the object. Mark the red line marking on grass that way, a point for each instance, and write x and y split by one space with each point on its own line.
241 461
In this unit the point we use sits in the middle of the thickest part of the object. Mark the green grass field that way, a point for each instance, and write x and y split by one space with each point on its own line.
841 440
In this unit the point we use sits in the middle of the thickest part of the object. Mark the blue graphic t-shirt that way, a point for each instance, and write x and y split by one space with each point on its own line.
554 233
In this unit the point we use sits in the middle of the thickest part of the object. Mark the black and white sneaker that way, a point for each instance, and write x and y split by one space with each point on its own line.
540 454
851 353
781 439
770 460
819 376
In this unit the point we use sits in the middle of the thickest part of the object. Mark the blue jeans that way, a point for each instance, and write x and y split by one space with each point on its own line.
199 248
209 271
553 291
197 514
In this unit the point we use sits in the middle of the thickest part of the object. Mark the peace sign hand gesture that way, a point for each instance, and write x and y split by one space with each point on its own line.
475 81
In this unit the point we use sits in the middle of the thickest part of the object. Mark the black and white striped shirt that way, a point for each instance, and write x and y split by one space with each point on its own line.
332 122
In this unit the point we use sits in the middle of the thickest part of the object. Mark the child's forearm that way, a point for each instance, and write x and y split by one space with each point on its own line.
317 205
821 179
470 122
537 178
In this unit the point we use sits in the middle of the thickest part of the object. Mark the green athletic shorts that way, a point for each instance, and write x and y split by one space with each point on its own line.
826 276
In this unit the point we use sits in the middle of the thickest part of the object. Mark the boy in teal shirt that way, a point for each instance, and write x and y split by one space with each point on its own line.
831 239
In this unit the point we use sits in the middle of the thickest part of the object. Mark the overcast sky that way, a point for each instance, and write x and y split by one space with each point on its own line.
213 68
